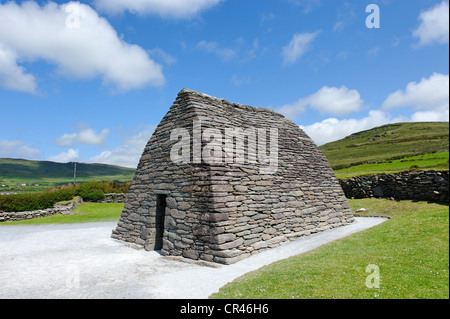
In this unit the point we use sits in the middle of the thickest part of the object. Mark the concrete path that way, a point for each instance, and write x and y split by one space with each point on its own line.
82 261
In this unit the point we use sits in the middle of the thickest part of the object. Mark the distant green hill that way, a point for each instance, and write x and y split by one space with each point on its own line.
393 147
15 172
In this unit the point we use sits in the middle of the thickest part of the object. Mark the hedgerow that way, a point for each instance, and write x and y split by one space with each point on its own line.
31 202
90 192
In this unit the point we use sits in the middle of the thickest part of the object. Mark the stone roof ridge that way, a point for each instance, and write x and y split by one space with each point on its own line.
237 105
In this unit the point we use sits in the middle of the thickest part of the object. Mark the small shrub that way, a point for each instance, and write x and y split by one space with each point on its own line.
92 191
31 202
94 196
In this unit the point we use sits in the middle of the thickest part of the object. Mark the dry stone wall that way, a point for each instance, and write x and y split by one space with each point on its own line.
55 210
114 198
422 186
224 212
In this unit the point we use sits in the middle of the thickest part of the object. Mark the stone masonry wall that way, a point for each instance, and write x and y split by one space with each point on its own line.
228 211
114 198
55 210
429 186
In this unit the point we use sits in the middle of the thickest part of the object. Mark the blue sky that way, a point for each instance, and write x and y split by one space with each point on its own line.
89 81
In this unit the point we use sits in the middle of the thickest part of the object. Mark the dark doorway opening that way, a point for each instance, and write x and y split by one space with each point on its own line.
161 206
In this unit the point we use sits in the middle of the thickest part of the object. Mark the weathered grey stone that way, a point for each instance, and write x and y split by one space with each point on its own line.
220 239
175 213
421 186
224 211
241 188
134 217
221 188
191 254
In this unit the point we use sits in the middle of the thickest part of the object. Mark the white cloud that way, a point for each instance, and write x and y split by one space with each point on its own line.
333 129
434 27
328 100
336 101
18 149
129 153
80 43
299 45
163 56
225 54
430 94
241 51
439 115
178 9
293 110
85 136
66 157
429 98
12 76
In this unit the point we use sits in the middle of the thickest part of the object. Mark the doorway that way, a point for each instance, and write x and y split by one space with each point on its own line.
161 206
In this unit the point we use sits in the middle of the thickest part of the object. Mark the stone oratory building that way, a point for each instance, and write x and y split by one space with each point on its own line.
220 181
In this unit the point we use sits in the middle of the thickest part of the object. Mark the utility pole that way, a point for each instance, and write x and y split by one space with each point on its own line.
75 174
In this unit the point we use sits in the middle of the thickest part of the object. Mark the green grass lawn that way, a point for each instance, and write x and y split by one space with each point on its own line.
437 161
87 213
411 251
388 142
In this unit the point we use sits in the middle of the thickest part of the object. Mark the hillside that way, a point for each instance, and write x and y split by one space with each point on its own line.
15 172
399 146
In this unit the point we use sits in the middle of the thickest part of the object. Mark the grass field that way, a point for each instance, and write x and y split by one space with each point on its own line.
436 161
87 213
411 251
40 175
388 143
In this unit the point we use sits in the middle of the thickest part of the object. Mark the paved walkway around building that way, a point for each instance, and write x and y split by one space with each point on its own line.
82 261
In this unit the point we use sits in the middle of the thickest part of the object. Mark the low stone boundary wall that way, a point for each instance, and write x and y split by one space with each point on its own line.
429 186
58 209
66 209
114 198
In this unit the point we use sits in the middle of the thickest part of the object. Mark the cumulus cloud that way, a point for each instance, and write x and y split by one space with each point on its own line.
293 110
74 38
429 97
333 129
12 76
429 100
178 9
434 26
85 136
299 45
439 115
66 157
18 149
328 100
129 153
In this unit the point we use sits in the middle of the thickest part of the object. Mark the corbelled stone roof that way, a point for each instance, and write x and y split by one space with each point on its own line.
227 210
